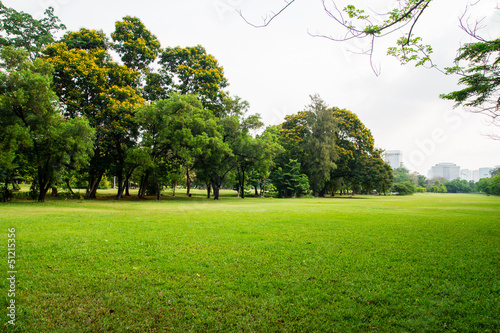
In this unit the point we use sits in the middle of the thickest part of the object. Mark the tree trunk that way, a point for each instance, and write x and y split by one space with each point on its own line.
143 185
216 190
44 182
242 183
69 187
93 186
188 182
174 185
158 187
256 190
208 190
121 186
54 192
127 188
44 188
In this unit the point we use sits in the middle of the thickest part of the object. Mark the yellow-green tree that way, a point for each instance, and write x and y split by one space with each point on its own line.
194 71
137 46
89 83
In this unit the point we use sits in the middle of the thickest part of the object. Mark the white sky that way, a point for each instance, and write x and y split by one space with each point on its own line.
276 68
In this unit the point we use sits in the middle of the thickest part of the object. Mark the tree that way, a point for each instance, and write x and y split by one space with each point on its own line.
481 94
254 154
356 23
457 186
319 144
289 181
36 129
438 187
21 30
405 188
481 79
179 130
136 45
194 71
89 83
353 140
291 137
372 173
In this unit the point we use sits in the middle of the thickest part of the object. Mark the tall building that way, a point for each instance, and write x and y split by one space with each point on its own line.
449 171
466 174
394 158
485 173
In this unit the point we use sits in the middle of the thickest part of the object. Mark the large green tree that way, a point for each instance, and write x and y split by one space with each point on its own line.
353 142
21 30
32 125
89 83
319 144
181 130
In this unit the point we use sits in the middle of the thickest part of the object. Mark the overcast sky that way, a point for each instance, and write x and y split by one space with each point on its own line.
276 68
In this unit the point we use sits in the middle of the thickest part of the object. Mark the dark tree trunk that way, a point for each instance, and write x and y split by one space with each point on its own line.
127 188
158 187
242 186
121 186
44 183
188 182
44 188
208 190
143 185
69 187
216 190
54 192
174 185
93 186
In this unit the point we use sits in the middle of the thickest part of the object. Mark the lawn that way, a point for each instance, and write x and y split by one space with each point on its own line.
425 263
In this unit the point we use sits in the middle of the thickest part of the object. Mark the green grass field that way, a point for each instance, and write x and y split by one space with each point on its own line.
425 263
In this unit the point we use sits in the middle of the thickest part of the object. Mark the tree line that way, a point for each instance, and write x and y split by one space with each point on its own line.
409 183
71 116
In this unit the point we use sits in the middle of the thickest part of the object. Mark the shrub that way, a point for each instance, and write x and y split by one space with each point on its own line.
405 188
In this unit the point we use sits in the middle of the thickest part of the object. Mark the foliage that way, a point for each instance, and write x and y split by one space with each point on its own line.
480 78
405 188
137 46
489 185
319 144
33 127
458 186
21 30
372 173
288 181
89 83
194 71
438 187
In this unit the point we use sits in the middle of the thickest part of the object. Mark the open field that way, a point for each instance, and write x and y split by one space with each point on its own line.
425 263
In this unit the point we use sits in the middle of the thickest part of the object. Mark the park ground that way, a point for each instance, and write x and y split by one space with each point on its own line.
423 263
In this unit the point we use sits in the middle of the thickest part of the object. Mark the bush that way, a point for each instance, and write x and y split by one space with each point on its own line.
289 181
405 188
458 186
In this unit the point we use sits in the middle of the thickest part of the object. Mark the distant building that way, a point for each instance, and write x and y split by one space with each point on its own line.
394 158
485 173
475 175
466 174
449 171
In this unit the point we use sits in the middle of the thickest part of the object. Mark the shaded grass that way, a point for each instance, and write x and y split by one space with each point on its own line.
427 263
